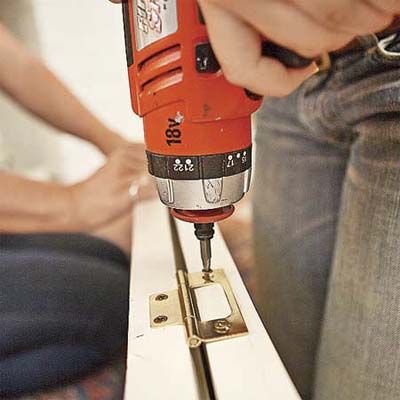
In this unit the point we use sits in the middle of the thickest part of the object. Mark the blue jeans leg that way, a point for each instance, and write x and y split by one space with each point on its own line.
297 191
327 207
359 355
63 309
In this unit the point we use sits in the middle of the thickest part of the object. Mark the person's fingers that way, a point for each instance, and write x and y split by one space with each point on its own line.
129 160
126 173
136 153
133 168
131 163
278 21
238 49
352 16
136 146
132 151
147 188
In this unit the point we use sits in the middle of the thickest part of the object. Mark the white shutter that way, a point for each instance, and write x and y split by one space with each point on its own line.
160 363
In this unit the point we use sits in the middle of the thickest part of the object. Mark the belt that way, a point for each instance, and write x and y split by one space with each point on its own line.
324 62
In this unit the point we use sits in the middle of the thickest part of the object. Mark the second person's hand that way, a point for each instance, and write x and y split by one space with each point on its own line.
105 196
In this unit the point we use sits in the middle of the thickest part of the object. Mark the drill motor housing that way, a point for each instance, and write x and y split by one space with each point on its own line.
197 125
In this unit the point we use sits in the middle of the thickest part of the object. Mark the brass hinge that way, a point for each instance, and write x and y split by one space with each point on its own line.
180 307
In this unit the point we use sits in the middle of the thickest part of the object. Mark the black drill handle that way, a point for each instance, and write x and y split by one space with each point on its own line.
287 57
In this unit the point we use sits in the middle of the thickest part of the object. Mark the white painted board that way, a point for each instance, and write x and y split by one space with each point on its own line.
159 361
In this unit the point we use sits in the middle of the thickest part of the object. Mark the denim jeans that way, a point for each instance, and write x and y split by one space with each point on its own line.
327 227
63 309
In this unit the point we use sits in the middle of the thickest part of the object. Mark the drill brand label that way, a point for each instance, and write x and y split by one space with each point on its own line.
154 20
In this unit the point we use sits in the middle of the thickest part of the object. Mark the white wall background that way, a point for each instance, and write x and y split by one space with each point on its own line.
25 145
82 42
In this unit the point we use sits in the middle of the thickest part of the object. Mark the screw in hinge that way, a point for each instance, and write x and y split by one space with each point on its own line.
160 319
161 297
222 326
208 276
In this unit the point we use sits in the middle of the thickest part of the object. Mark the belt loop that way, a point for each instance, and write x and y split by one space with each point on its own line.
368 41
324 62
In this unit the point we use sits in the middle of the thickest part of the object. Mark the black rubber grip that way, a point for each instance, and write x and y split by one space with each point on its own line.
287 57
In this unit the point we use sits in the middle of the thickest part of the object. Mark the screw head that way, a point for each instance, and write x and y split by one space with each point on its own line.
222 326
208 276
160 319
161 297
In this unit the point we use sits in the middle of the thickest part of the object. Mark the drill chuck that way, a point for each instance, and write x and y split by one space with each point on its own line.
201 182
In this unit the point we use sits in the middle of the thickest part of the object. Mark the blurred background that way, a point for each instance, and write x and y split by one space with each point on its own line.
82 42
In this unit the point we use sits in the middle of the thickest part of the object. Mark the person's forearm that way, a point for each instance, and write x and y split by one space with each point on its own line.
33 86
30 206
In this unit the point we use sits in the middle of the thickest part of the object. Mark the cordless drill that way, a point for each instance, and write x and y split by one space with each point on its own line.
197 125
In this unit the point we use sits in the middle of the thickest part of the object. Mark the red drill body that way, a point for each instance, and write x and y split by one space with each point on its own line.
197 125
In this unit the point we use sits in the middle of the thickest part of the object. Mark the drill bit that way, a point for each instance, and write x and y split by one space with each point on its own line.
205 250
205 232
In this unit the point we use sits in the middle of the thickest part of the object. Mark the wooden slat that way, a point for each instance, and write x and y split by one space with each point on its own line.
158 359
